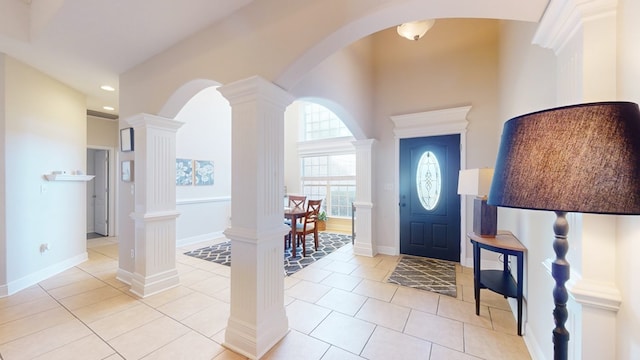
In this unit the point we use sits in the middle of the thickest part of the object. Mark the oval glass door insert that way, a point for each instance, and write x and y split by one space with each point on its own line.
429 180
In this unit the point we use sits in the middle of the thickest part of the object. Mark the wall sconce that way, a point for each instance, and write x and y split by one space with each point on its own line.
416 29
477 182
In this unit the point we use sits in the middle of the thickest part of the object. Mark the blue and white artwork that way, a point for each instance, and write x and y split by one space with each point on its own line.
204 172
184 172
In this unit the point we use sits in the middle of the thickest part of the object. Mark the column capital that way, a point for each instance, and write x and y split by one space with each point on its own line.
364 143
560 20
253 89
154 121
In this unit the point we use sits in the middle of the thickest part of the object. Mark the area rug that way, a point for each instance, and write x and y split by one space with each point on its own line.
426 274
327 243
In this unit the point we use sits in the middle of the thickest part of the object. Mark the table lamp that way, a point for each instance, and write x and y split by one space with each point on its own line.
578 158
477 182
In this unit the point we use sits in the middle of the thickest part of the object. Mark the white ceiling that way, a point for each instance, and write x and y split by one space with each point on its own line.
88 43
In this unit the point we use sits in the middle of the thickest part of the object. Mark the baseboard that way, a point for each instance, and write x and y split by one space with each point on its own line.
387 250
532 344
199 238
41 275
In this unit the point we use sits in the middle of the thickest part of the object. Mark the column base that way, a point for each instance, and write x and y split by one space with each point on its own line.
255 342
146 286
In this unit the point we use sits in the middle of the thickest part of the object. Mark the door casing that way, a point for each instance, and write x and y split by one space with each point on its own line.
432 123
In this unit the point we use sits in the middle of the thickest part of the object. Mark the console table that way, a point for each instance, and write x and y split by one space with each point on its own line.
499 281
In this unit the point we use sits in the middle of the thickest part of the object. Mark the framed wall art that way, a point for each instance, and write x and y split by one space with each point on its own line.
126 139
184 172
126 171
203 172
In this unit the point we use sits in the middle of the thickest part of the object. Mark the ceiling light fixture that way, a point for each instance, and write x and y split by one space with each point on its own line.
109 108
416 29
107 88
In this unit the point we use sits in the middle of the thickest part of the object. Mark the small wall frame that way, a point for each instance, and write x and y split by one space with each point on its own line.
126 171
126 139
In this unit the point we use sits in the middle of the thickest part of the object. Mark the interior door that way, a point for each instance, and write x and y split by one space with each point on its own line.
101 183
429 203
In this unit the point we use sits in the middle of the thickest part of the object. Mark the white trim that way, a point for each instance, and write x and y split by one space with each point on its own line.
331 146
199 238
432 123
34 278
203 200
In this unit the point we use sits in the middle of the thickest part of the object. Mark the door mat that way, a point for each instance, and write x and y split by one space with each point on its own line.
327 243
426 274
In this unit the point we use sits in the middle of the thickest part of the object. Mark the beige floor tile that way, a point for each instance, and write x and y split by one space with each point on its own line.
167 296
341 267
66 277
315 275
388 344
388 262
335 353
114 357
77 287
289 281
297 346
344 332
342 281
489 344
29 294
104 308
342 301
32 324
436 329
146 339
307 291
371 273
88 348
377 290
366 261
109 250
193 277
487 297
210 320
223 295
44 341
212 285
424 301
504 321
384 314
304 317
192 346
28 308
442 353
463 311
124 321
187 305
89 297
229 355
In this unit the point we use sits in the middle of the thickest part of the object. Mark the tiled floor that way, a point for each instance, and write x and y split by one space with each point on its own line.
338 308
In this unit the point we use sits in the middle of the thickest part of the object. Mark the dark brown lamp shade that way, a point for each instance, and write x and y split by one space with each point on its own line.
579 158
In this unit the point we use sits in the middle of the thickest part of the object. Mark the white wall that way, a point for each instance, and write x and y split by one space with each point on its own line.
291 159
628 227
45 130
206 135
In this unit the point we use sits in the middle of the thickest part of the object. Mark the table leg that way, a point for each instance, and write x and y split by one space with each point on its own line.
476 275
293 236
519 291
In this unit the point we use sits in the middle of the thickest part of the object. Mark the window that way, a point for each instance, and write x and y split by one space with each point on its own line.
328 170
428 180
332 178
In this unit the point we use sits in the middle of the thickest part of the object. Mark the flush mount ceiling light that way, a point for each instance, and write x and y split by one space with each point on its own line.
416 29
108 108
107 88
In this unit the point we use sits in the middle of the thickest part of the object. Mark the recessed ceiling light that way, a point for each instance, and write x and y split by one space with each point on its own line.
109 108
107 88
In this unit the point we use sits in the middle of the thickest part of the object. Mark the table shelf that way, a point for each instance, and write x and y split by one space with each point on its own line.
500 282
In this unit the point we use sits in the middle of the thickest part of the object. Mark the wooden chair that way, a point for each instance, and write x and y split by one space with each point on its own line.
308 225
294 201
297 200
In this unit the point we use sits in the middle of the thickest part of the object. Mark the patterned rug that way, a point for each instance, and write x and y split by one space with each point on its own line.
327 243
426 274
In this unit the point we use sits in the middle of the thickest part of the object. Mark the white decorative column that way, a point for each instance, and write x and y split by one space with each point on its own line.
155 204
258 319
364 243
583 35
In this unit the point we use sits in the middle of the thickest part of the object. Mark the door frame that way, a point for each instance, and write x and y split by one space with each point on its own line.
431 123
112 154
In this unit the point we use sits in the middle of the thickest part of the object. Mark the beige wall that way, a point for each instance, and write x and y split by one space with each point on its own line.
102 132
455 64
45 130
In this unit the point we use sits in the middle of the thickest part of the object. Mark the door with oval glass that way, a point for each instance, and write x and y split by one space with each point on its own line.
429 203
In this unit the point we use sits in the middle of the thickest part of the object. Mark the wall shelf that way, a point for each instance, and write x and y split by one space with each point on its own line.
67 177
